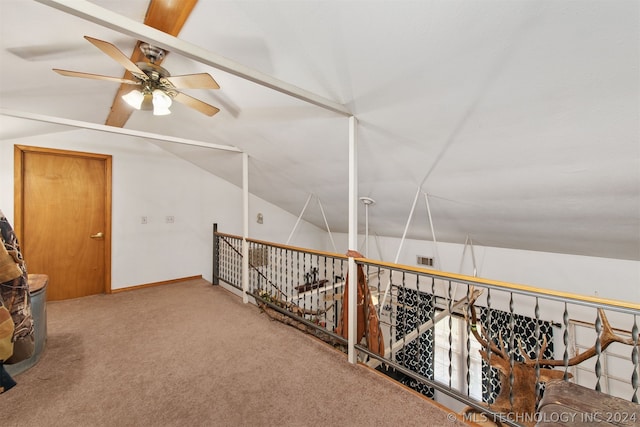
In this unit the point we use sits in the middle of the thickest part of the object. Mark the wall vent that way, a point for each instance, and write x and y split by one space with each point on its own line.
258 257
424 260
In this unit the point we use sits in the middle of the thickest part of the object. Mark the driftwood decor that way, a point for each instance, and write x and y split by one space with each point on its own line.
517 398
368 324
293 315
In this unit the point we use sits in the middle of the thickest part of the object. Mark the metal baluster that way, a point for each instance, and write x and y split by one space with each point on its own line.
490 340
598 367
222 266
634 359
468 343
250 278
378 274
324 305
537 349
565 340
511 349
281 260
228 265
314 278
239 265
344 285
254 277
393 322
334 299
266 254
432 316
288 273
274 265
304 281
233 265
228 273
232 262
404 321
392 319
235 262
260 253
418 318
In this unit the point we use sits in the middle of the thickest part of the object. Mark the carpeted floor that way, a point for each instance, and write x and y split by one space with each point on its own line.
193 354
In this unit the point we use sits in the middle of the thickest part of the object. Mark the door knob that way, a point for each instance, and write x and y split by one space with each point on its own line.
99 235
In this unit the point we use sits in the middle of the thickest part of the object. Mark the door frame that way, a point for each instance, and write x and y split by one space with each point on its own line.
19 152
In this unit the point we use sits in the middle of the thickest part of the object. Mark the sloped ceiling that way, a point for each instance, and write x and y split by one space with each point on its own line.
519 119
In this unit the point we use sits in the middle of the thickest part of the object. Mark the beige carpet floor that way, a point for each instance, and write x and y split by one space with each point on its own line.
192 354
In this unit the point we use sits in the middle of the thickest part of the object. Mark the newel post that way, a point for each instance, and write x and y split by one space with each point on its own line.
216 257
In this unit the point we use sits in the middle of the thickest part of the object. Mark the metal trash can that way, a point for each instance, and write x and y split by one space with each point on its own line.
38 293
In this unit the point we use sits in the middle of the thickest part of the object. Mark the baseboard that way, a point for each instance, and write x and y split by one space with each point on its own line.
149 285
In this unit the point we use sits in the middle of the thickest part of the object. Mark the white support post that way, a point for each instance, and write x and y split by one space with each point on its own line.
245 227
353 240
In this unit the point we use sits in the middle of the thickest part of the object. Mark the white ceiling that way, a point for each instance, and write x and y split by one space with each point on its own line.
519 119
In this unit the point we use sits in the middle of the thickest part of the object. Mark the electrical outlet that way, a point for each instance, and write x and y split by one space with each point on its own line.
170 219
143 220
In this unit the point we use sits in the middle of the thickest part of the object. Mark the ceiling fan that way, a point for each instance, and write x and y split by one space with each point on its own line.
156 87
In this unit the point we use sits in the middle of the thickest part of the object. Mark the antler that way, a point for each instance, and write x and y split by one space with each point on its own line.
525 355
483 339
607 337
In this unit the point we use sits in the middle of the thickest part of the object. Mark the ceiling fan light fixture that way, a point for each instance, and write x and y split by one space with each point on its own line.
161 103
134 98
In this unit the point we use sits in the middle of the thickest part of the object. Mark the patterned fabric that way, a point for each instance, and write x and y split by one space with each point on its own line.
6 382
524 329
15 296
414 309
9 268
6 333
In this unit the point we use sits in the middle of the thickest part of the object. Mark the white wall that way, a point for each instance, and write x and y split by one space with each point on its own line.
151 182
148 181
605 277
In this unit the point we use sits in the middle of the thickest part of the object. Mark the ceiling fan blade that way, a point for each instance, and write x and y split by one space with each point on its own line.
196 104
193 81
117 56
94 76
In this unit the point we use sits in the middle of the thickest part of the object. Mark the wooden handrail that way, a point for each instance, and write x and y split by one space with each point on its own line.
505 286
299 249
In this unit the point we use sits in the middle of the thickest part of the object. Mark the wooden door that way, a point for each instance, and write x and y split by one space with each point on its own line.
63 219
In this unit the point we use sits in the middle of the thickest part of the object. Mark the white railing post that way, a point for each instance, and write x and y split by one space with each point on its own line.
353 240
245 227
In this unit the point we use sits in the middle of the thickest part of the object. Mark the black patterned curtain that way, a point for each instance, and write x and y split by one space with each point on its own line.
415 308
523 328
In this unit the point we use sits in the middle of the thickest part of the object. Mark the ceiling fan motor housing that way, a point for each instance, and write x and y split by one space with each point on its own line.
152 53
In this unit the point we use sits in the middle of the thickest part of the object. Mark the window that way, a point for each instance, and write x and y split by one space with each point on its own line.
458 361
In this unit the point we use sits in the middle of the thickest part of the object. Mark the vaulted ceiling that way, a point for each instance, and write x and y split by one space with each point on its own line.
519 119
